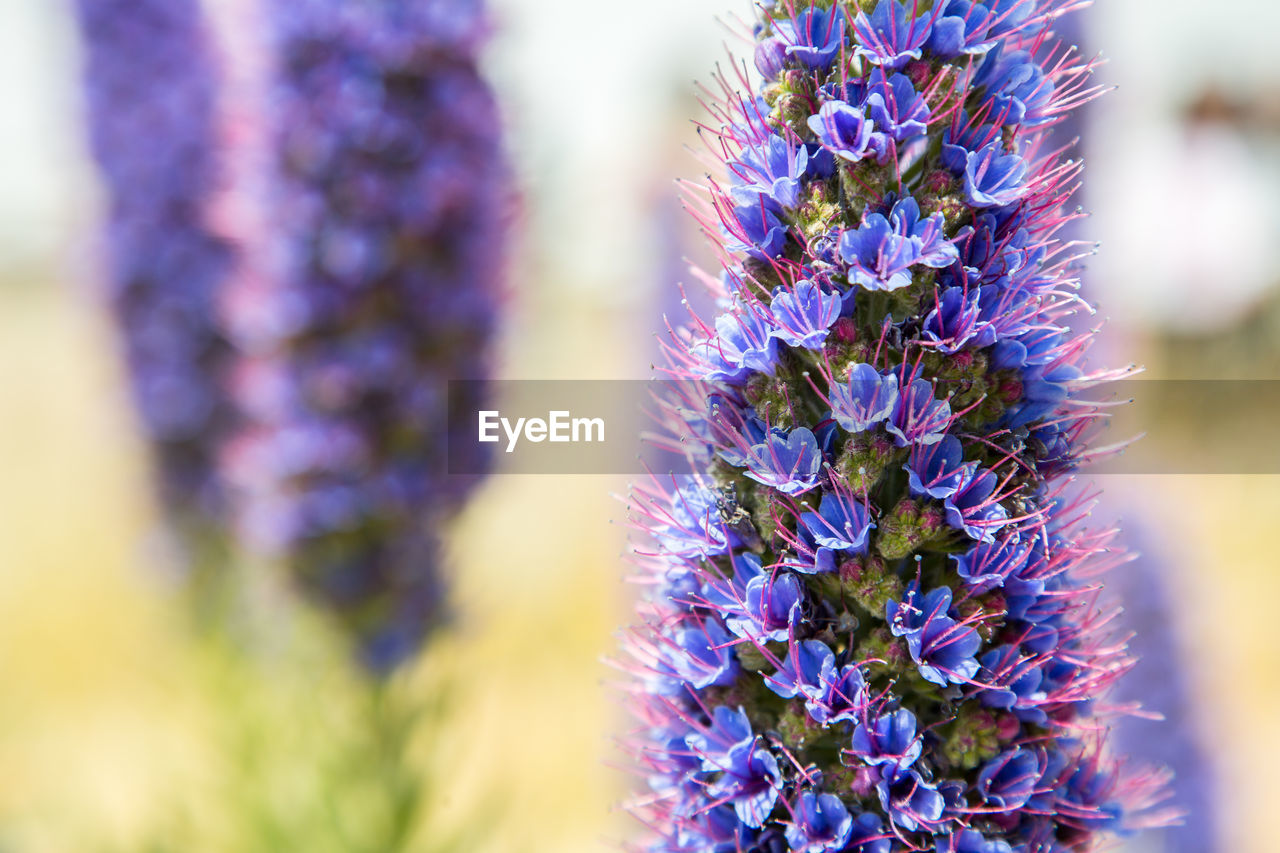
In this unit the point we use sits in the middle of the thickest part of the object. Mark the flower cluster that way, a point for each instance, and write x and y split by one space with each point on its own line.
388 208
154 146
875 624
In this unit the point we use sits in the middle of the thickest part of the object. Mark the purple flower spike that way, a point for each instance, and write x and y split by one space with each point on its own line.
867 399
152 88
804 315
846 132
993 178
789 462
815 36
891 36
822 824
302 380
917 636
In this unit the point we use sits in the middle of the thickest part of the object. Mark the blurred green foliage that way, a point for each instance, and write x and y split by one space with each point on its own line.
127 726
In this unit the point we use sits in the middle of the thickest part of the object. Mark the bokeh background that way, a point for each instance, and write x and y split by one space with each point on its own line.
124 726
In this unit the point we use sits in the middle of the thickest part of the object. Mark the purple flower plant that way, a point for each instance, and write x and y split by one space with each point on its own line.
876 600
151 92
387 192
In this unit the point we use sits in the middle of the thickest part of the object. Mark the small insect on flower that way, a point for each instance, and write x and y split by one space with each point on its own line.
895 644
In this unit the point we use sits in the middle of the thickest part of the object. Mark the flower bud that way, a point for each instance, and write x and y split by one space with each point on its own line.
770 57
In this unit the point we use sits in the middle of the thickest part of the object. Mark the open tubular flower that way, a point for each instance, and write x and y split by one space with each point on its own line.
151 86
875 624
388 195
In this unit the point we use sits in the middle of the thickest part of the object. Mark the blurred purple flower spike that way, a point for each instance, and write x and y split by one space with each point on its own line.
388 199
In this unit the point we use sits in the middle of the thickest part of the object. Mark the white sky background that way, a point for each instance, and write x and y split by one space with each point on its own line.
40 153
593 92
1189 222
593 98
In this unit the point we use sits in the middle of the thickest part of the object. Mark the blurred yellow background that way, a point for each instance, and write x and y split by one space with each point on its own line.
122 727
